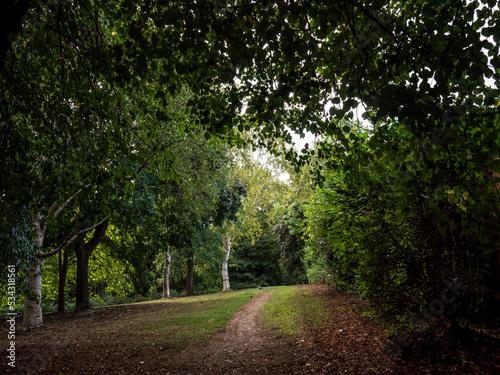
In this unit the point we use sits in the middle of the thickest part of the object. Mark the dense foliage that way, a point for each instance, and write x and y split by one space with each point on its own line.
399 226
289 234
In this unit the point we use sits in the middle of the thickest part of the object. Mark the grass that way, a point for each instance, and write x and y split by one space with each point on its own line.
191 320
174 324
154 332
292 310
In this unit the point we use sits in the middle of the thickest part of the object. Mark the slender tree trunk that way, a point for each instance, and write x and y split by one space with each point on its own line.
227 241
32 315
82 276
190 275
166 275
63 272
83 251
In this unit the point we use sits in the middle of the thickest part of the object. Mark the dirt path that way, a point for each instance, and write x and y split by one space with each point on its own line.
107 341
245 347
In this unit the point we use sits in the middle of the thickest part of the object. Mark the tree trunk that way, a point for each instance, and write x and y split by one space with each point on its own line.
166 275
82 276
32 315
83 251
63 272
225 272
190 275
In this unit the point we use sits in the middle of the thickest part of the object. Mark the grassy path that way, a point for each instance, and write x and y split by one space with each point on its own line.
246 346
310 329
135 338
177 336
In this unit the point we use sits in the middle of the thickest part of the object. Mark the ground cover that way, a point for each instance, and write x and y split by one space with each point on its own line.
310 329
133 338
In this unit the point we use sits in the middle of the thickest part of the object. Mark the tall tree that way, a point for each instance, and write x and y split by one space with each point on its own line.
259 173
67 149
230 202
83 251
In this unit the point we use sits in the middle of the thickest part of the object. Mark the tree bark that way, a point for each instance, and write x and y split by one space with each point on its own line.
32 315
83 251
166 275
82 277
190 275
63 272
227 241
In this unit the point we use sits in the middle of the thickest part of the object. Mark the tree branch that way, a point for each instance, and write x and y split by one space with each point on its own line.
54 211
76 233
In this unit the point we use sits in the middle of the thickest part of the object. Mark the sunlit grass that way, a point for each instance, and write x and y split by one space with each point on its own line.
293 309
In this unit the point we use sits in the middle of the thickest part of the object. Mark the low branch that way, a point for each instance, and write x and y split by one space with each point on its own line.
70 238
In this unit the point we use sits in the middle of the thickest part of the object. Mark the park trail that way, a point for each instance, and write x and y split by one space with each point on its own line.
246 346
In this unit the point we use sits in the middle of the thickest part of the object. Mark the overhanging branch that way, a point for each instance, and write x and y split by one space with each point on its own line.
71 237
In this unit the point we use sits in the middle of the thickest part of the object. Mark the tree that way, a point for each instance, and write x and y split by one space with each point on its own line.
368 51
166 274
423 66
289 231
391 225
256 261
83 250
202 201
230 202
63 273
68 150
41 170
291 223
263 193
